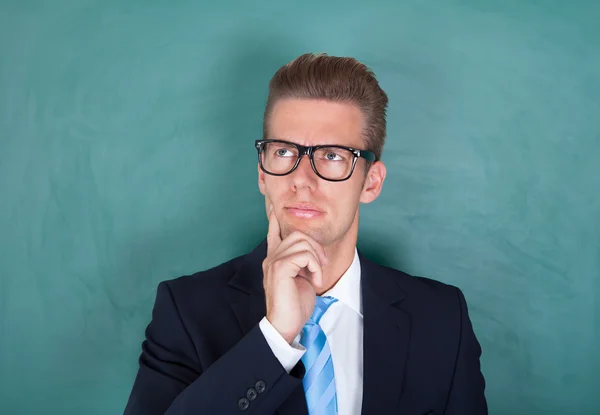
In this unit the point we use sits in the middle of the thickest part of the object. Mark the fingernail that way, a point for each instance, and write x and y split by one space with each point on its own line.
270 207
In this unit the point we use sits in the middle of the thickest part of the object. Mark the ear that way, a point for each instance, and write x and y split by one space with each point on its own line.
373 183
261 180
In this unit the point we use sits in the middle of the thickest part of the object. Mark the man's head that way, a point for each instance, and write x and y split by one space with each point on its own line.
323 100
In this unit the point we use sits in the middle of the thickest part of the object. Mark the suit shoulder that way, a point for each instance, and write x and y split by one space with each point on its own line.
427 292
421 284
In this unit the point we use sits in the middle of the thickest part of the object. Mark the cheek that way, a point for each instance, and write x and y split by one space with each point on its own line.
273 188
345 199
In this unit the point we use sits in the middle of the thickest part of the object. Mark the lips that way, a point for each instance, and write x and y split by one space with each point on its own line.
304 206
304 210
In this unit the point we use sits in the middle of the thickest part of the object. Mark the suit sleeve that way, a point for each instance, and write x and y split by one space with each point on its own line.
467 392
247 379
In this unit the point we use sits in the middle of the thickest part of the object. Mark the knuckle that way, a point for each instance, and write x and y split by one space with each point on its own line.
309 245
295 234
306 245
268 265
298 235
276 266
266 262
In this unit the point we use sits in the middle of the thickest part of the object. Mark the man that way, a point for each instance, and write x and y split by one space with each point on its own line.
305 324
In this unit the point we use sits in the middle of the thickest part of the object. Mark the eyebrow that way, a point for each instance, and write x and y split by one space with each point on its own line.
329 143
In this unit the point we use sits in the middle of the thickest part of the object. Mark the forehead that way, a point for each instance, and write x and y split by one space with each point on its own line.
316 122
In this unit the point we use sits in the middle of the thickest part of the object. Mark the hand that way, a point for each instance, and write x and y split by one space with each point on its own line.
291 270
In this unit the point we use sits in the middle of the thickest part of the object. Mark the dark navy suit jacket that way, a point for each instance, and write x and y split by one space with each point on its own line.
204 352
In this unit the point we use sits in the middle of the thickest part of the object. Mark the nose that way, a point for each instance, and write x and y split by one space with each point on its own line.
304 176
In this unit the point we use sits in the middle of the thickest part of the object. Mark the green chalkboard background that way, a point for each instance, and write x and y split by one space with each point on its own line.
126 158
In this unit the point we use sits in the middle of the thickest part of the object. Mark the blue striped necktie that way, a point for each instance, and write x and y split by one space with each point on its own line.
319 381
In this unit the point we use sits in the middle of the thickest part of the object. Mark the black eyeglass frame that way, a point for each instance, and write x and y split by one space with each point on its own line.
310 151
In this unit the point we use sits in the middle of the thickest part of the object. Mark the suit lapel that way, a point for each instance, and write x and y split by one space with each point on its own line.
248 298
385 340
248 304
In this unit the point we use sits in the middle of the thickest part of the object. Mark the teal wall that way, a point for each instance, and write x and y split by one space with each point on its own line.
126 158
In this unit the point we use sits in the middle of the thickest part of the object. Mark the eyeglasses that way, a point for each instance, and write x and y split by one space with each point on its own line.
330 162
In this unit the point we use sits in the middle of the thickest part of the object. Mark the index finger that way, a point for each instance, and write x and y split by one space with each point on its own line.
273 234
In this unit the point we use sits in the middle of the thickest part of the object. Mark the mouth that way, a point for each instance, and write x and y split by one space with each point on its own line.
304 210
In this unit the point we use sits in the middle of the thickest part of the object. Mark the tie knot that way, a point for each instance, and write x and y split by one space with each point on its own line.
321 306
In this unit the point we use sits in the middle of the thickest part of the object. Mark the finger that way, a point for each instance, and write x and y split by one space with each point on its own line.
297 236
273 234
298 246
315 269
300 260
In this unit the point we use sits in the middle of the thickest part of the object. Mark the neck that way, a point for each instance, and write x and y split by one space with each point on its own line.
340 255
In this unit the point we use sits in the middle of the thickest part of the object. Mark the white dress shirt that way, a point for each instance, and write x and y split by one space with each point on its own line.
343 326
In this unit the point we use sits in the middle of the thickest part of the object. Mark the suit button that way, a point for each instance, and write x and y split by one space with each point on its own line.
260 386
251 394
243 404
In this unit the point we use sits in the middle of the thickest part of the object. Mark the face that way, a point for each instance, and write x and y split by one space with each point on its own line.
333 217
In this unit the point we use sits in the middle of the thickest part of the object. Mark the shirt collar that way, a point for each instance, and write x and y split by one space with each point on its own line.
347 289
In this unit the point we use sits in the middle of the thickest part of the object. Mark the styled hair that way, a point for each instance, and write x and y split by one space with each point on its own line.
337 79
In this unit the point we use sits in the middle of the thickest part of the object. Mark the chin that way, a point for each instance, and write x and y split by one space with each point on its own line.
319 234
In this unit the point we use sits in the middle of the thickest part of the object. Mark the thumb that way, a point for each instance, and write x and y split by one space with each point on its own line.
273 234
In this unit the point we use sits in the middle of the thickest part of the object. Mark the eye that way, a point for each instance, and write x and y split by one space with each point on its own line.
331 156
283 152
